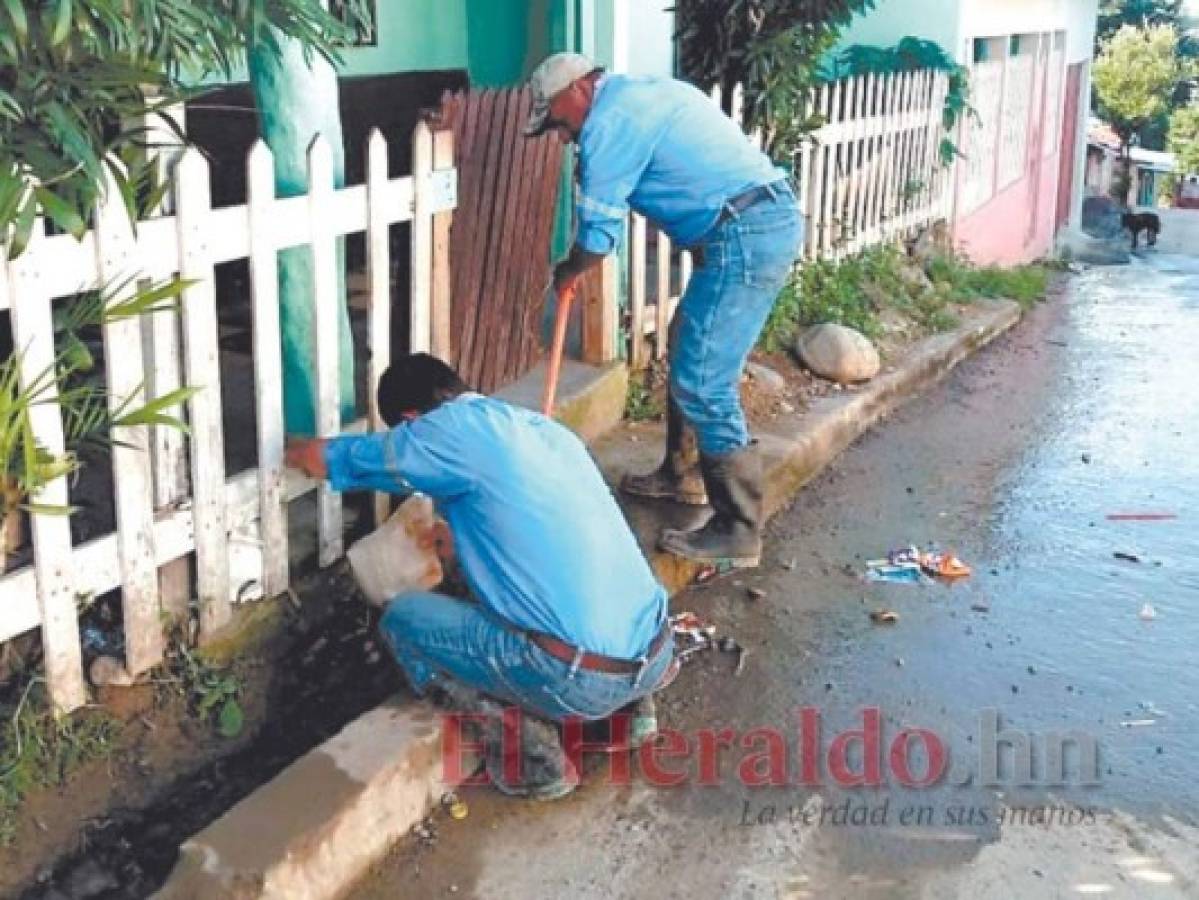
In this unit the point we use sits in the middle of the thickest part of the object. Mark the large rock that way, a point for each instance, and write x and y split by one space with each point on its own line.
838 353
767 380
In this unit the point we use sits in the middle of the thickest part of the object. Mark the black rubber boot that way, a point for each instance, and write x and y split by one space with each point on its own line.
733 535
678 478
545 773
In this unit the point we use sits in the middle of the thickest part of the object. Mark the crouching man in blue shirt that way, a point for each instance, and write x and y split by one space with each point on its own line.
661 147
570 620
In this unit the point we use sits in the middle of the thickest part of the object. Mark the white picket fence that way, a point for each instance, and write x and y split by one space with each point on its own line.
871 174
235 527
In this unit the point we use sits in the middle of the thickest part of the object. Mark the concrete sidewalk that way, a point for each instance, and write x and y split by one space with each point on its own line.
314 829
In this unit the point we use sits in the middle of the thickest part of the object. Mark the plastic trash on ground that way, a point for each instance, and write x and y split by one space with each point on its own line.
911 565
400 555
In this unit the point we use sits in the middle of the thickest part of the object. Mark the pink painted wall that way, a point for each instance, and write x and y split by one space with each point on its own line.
1016 225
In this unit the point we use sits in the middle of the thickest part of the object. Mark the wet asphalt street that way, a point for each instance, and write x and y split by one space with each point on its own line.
1088 410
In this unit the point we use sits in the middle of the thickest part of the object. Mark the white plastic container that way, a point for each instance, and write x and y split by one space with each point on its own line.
400 555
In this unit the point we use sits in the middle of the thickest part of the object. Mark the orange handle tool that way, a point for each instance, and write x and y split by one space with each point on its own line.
566 296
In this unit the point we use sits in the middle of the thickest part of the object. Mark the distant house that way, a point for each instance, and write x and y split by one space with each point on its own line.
1149 167
1021 181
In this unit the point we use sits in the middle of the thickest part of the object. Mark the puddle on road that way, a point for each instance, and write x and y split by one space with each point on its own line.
1121 436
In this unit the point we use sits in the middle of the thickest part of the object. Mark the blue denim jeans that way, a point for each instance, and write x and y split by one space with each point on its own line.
435 636
746 261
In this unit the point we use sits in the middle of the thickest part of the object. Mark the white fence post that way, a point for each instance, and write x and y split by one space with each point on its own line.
637 289
268 368
132 478
420 334
328 346
202 364
163 353
33 338
378 264
662 325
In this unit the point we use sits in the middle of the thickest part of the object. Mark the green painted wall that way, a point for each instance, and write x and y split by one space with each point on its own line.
415 36
497 41
890 21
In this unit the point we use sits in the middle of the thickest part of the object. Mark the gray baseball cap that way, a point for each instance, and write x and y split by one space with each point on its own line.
549 79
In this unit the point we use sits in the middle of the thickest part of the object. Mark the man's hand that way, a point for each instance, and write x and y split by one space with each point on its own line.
566 280
307 455
568 272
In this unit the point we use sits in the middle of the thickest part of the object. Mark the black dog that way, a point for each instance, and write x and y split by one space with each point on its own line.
1150 223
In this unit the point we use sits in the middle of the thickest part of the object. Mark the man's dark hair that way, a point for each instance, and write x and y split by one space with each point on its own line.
416 383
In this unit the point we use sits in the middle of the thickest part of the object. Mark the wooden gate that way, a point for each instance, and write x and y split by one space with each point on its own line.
500 238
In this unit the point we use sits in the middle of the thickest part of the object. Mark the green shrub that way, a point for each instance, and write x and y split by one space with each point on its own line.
1024 284
641 404
826 291
854 290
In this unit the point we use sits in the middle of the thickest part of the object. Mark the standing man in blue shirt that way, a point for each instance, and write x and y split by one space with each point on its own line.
661 147
570 620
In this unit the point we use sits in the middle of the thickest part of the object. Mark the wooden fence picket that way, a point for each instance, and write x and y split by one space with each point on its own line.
662 312
816 179
162 348
33 339
638 235
133 490
378 267
268 369
326 300
201 361
832 172
420 327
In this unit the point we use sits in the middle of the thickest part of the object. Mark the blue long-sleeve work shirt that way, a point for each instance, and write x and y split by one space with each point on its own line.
537 532
662 147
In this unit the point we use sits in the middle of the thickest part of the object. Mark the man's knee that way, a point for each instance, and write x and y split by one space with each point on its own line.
404 613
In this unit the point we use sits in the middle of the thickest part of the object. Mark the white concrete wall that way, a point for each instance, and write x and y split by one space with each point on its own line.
955 23
988 18
650 37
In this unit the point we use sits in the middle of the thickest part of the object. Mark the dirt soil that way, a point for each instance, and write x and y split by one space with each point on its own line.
114 829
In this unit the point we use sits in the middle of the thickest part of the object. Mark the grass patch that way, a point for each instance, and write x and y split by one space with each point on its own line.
41 750
641 403
856 290
1024 284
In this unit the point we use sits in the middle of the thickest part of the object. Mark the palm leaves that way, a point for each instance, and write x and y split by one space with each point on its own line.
78 79
25 466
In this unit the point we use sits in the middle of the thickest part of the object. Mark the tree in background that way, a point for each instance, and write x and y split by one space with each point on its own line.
772 48
1184 138
1115 14
1135 76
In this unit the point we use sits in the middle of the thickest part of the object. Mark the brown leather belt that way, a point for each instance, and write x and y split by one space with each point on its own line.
594 662
737 205
743 201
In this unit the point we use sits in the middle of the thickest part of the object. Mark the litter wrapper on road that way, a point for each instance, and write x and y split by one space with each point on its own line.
401 554
910 565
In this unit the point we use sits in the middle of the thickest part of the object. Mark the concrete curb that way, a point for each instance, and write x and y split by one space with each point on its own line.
316 828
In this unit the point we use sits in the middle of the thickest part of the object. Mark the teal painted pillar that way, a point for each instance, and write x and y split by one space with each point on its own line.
297 100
